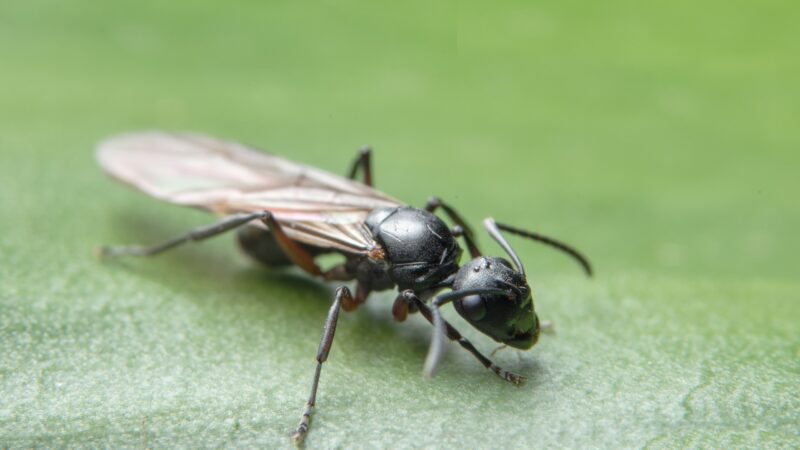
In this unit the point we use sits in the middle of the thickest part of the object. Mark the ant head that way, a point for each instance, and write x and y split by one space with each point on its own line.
495 297
502 307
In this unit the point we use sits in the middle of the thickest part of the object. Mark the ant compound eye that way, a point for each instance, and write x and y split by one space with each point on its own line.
473 307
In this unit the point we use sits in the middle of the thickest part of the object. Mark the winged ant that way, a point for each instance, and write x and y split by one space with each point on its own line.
289 213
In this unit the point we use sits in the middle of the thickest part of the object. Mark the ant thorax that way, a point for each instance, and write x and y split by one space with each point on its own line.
420 249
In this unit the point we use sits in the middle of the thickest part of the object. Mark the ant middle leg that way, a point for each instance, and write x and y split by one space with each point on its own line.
463 229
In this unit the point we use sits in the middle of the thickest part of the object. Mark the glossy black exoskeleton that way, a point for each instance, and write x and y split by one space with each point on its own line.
420 250
508 318
287 213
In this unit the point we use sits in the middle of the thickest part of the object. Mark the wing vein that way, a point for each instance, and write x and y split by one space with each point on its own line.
224 177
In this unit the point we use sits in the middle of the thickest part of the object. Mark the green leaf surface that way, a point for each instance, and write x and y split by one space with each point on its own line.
660 138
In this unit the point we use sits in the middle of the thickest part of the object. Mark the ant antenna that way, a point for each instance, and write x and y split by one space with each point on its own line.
582 260
494 232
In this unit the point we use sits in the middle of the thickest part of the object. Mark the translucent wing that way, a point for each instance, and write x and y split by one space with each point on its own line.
314 206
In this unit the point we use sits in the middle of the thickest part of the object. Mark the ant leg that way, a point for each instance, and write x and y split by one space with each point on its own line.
341 273
338 273
502 347
297 254
362 292
435 203
198 234
400 308
454 335
342 295
364 161
457 232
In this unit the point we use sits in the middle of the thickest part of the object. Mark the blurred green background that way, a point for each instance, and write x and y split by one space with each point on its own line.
659 137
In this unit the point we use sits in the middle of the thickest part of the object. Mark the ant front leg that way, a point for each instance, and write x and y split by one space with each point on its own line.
343 295
363 161
434 317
